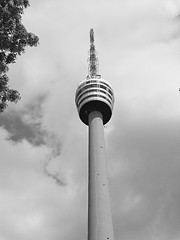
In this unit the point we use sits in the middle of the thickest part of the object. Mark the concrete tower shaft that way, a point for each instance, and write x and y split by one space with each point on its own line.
100 225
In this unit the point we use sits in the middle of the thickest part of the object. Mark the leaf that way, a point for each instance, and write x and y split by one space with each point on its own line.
13 39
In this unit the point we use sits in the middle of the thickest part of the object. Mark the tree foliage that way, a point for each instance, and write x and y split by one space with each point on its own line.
13 39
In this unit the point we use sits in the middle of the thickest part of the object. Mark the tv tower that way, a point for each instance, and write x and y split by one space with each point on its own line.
94 100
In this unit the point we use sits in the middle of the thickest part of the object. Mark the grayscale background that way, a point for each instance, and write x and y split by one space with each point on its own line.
43 144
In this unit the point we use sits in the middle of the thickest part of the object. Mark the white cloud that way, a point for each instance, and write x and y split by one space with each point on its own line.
138 46
29 199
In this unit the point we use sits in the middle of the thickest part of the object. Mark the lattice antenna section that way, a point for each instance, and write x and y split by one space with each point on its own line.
93 63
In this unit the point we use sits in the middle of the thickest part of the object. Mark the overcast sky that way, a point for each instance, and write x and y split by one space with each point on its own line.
43 163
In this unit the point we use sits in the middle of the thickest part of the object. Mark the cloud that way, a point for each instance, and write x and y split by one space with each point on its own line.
30 200
148 151
44 144
25 124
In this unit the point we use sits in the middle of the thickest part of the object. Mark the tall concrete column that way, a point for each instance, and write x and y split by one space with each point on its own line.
100 225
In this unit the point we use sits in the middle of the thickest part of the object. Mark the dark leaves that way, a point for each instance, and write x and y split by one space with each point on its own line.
13 95
10 58
32 39
13 39
3 82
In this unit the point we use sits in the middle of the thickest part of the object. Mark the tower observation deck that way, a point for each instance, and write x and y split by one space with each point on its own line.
94 93
94 100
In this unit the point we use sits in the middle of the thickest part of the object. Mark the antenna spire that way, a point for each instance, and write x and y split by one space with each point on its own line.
93 59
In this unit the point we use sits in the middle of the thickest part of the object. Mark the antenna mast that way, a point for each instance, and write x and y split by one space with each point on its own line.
93 59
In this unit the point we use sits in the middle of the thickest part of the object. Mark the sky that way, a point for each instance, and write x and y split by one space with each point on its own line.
43 163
